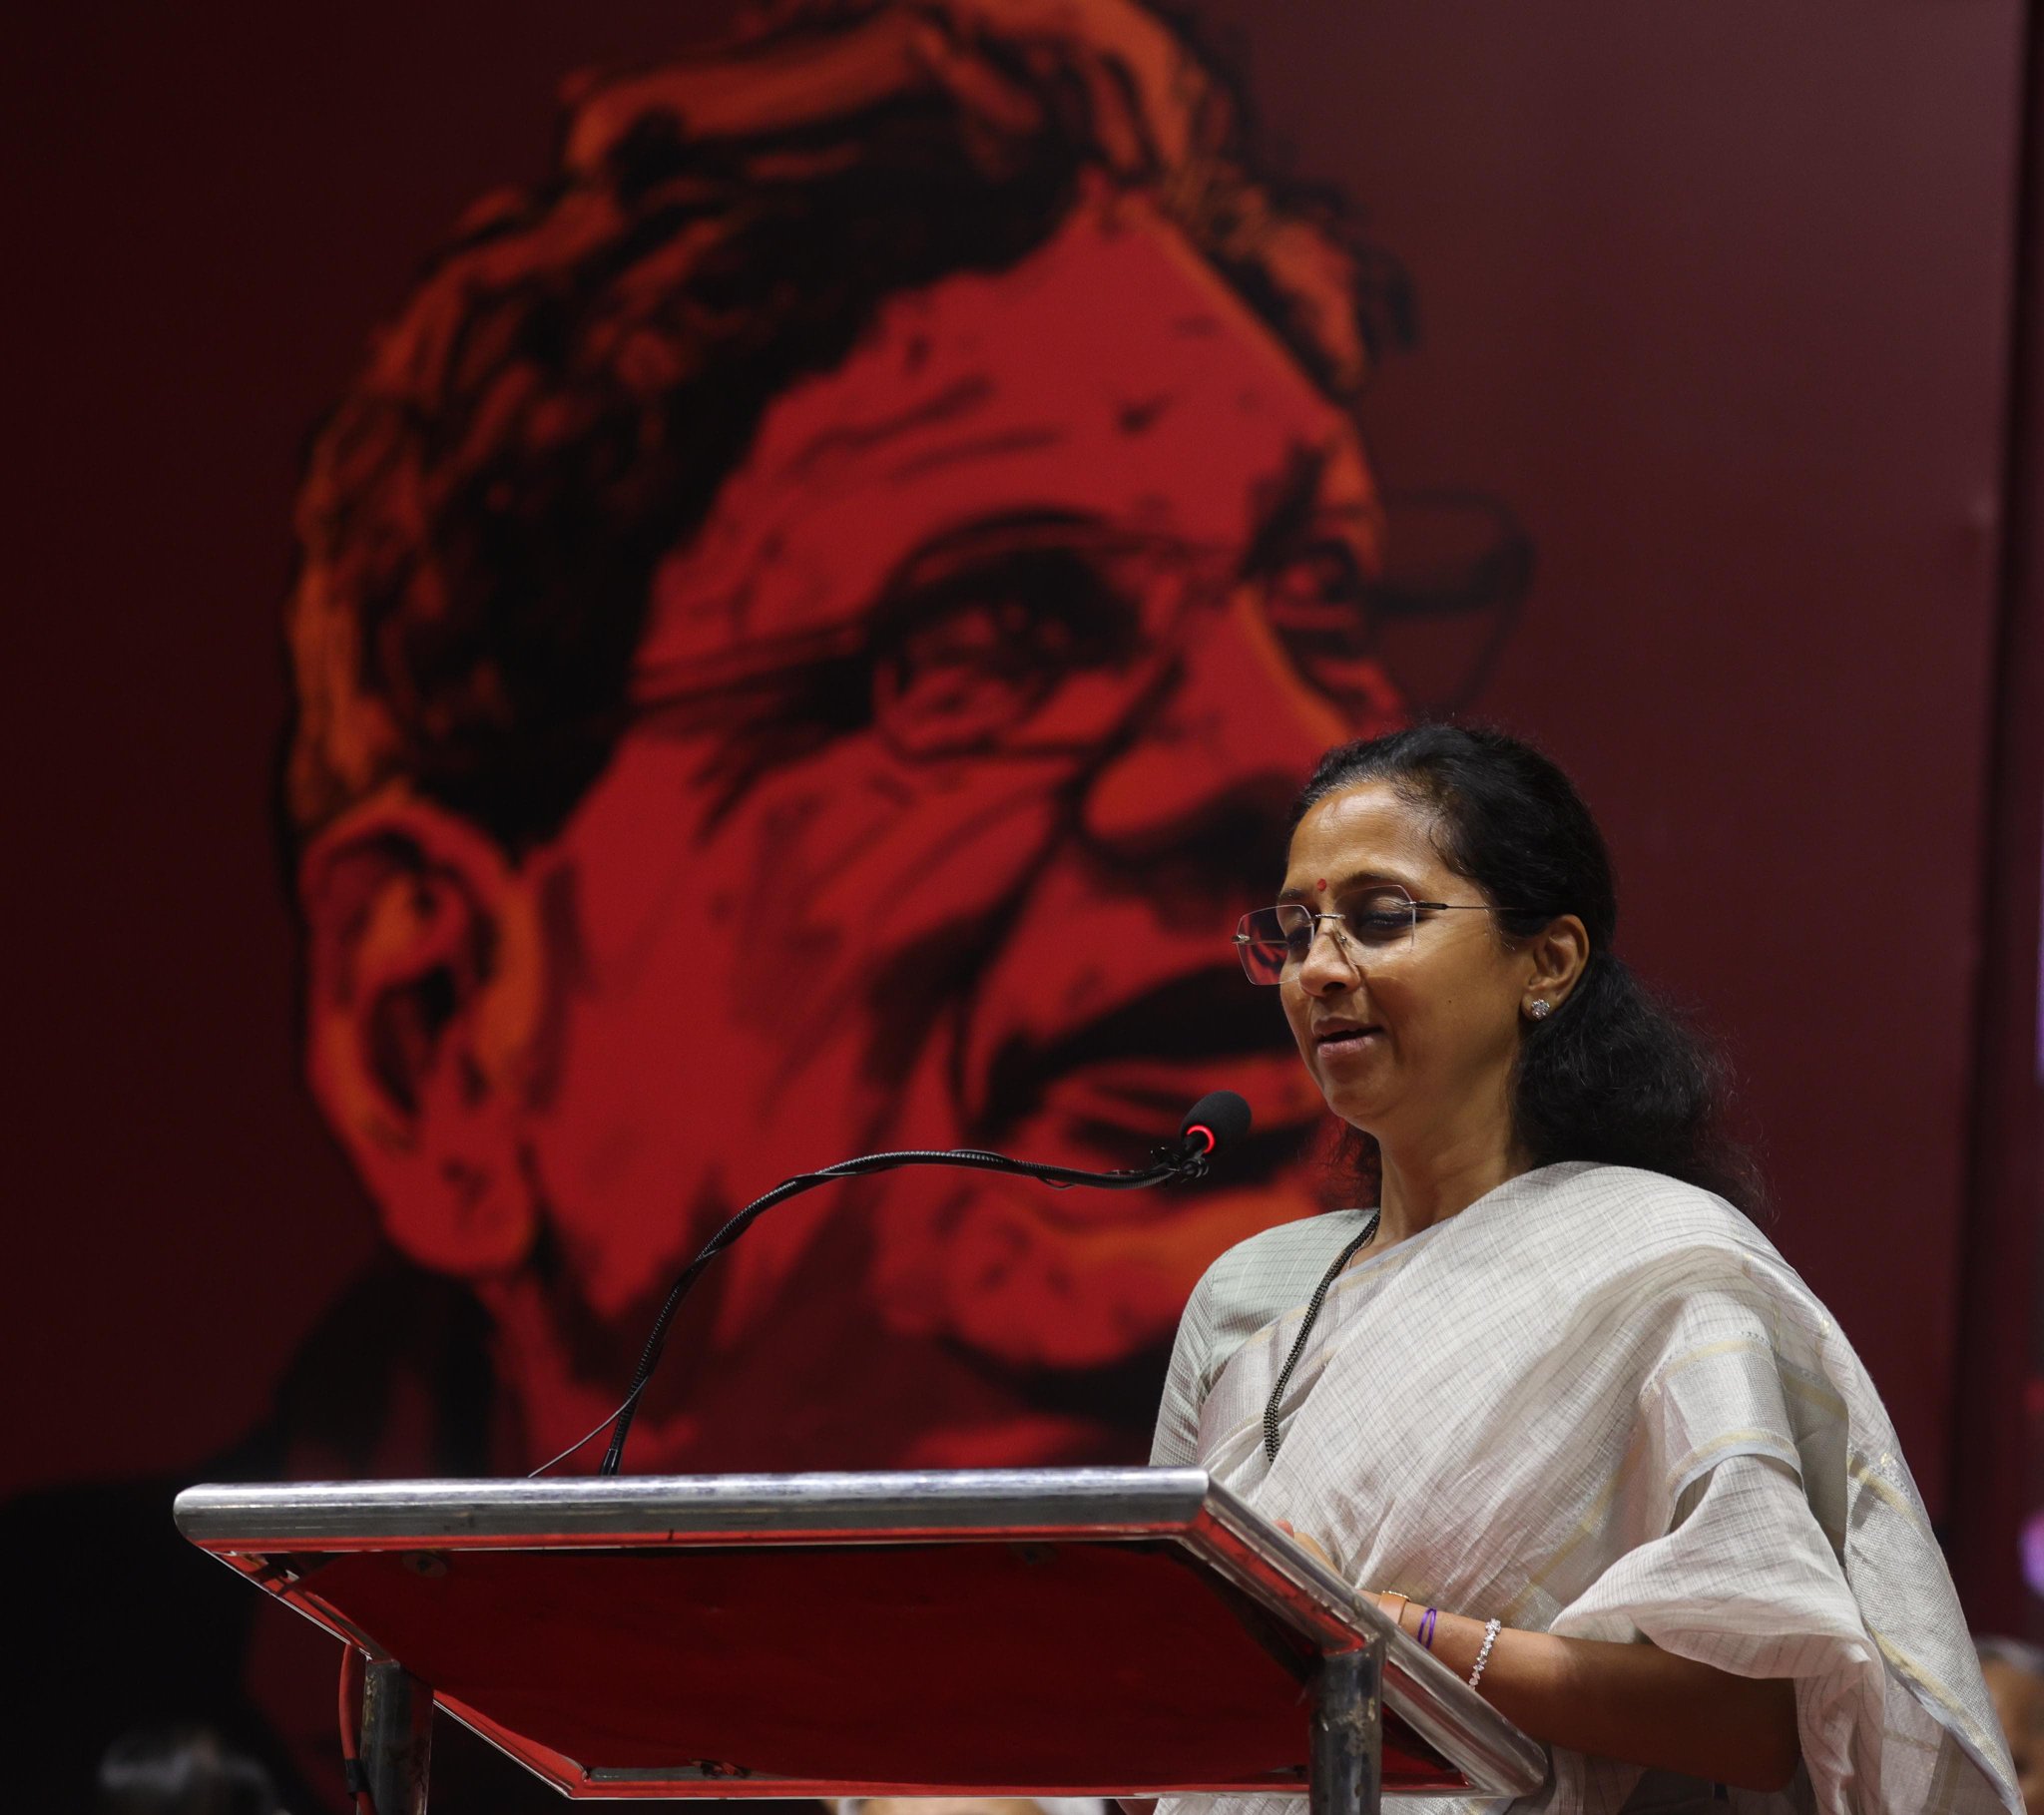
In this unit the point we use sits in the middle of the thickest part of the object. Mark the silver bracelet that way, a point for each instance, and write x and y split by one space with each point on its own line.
1490 1633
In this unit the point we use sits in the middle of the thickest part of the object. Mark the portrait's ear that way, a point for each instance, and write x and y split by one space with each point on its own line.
426 1009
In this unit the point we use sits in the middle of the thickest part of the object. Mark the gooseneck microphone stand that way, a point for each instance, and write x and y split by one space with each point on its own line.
1216 1120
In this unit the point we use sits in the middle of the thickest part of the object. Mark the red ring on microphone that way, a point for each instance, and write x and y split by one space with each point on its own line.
1199 1128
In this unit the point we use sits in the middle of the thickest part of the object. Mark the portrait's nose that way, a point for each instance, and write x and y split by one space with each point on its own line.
1220 758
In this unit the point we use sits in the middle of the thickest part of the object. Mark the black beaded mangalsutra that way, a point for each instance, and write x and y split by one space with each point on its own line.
1306 1329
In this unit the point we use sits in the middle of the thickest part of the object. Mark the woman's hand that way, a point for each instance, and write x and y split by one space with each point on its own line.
1630 1701
1306 1542
1312 1546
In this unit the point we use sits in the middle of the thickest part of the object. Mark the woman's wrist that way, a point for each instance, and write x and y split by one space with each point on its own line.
1447 1635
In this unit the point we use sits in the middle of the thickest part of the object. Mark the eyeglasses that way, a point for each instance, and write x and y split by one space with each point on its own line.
1035 637
1041 636
1275 942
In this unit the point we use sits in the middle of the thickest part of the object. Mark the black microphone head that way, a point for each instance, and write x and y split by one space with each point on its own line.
1219 1120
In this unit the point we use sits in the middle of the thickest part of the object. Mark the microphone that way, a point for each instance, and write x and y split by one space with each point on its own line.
1219 1120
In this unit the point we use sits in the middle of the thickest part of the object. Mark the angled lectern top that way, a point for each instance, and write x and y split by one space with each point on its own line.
1069 1631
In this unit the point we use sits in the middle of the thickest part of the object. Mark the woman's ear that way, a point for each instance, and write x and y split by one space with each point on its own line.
425 1009
1559 952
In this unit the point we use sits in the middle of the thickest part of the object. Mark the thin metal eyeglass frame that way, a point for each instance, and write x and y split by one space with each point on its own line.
1345 941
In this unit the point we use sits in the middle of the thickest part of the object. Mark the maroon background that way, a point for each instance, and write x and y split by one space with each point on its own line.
1716 295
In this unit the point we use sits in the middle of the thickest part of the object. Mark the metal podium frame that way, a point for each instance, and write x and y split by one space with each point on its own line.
278 1536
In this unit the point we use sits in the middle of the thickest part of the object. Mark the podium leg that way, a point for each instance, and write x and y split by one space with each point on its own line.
1349 1734
397 1738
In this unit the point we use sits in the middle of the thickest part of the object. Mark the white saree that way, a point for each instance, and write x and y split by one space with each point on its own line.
1599 1403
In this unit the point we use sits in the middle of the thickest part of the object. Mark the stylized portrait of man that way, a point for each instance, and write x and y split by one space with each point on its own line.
808 622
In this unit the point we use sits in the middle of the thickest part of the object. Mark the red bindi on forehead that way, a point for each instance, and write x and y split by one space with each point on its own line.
1322 885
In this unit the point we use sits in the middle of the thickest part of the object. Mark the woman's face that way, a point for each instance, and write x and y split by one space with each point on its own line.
1404 1034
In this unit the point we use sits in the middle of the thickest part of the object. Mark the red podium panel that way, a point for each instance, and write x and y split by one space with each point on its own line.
1056 1632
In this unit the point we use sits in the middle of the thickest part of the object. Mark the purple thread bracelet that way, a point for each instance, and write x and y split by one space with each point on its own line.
1426 1620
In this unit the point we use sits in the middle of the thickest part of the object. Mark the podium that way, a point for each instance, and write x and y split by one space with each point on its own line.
1043 1631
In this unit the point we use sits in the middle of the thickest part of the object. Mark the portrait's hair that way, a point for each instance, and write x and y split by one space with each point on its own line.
557 403
1614 1075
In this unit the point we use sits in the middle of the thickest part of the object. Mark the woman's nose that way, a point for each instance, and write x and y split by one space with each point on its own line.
1329 965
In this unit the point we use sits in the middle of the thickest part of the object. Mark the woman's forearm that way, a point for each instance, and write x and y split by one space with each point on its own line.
1630 1701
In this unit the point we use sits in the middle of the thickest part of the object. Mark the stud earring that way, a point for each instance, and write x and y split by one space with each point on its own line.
1540 1008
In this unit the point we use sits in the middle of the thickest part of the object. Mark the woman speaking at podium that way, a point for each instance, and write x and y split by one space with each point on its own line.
1554 1399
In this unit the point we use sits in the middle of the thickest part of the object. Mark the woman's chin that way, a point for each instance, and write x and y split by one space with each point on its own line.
1357 1093
1359 1109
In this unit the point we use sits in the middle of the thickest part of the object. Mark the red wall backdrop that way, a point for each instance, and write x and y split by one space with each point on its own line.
1718 296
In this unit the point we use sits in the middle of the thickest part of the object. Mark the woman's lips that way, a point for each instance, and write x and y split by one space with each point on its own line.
1349 1043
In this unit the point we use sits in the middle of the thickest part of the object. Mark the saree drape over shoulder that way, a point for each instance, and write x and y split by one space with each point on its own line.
1599 1403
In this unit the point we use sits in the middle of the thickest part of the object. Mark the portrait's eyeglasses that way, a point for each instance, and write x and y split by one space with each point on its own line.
1275 942
1039 635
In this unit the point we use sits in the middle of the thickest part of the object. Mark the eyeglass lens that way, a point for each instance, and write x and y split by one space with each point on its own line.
1275 942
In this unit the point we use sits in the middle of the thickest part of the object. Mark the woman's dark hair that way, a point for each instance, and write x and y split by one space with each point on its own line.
1614 1075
